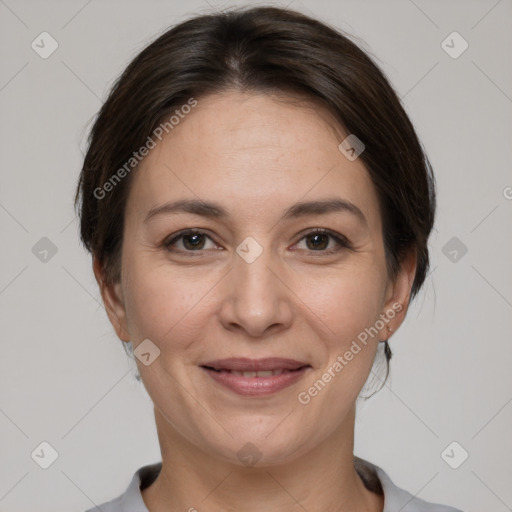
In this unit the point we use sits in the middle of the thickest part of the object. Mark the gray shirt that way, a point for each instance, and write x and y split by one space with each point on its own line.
374 478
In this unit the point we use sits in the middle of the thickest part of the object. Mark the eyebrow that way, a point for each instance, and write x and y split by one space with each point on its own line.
216 211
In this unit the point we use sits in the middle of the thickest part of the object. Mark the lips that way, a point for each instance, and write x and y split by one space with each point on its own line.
255 376
242 364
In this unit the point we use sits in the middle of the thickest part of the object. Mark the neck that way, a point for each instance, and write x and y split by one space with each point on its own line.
321 480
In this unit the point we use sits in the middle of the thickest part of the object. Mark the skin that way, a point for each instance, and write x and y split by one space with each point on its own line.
256 155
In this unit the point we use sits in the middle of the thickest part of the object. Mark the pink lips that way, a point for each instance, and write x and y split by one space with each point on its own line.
255 376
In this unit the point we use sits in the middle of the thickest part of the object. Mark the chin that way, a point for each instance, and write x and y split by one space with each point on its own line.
260 447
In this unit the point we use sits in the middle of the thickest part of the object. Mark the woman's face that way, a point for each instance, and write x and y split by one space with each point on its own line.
258 281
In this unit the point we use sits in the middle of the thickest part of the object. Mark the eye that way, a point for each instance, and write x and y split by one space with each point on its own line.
191 240
318 241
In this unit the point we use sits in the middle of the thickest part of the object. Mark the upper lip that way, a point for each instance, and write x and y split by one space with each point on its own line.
244 364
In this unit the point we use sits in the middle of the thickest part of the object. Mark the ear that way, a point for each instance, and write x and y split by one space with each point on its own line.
398 294
113 300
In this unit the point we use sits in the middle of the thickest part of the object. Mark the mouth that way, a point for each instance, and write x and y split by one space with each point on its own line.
251 374
255 376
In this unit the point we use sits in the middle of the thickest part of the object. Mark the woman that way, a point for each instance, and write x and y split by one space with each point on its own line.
257 205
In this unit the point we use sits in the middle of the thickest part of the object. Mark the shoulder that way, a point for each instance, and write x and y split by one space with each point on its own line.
131 499
395 498
110 506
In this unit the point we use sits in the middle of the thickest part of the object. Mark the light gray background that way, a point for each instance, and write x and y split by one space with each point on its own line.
64 376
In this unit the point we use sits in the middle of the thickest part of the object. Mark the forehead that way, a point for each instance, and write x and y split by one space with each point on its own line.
253 152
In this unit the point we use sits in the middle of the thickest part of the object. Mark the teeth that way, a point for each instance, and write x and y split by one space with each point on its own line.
266 373
263 373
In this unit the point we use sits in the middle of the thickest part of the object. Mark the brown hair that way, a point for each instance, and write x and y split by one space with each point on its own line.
258 49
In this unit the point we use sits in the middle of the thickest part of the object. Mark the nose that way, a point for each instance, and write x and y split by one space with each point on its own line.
257 300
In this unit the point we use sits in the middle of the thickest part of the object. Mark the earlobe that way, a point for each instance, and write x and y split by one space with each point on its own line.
113 300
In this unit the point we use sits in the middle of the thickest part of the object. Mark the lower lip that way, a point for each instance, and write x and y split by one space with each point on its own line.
256 386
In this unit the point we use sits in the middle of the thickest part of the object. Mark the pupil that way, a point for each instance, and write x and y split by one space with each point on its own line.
195 243
316 237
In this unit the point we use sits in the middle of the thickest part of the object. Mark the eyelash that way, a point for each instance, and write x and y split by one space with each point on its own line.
341 241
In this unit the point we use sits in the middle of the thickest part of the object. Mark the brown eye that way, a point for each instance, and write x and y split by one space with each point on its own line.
191 241
319 240
195 241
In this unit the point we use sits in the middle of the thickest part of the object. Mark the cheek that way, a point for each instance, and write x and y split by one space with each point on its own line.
346 301
349 303
162 303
